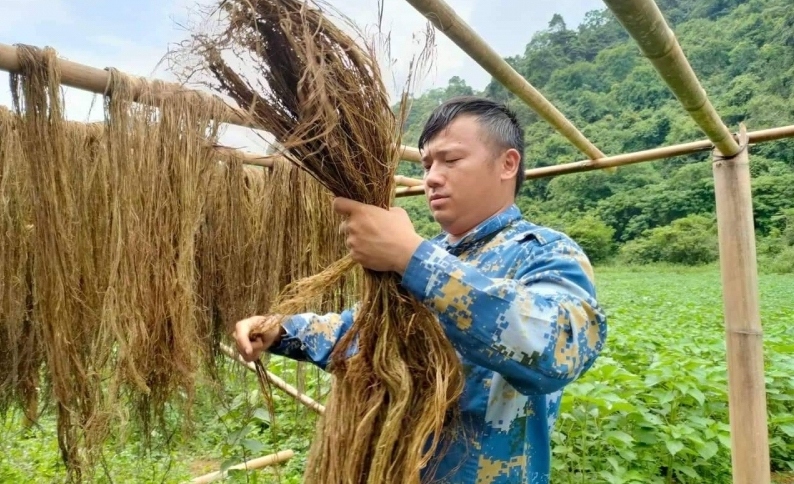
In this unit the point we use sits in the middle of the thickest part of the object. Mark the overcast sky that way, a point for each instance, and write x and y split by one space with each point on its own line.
134 36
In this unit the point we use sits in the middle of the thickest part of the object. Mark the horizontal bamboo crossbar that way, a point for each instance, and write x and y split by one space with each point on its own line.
407 181
643 20
453 26
760 136
92 79
267 161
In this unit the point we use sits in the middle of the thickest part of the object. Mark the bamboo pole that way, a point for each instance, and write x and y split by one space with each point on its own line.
252 464
96 80
761 136
447 21
643 20
267 161
745 358
408 181
276 381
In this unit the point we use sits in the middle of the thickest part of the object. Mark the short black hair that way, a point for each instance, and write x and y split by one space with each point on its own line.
497 120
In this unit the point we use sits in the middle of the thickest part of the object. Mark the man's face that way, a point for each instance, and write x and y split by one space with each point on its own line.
464 176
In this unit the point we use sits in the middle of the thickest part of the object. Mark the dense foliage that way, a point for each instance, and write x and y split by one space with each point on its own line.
743 52
653 407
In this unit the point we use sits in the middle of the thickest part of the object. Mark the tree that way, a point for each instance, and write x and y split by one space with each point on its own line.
690 241
596 76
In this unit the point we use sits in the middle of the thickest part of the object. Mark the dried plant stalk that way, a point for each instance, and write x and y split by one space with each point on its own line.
321 95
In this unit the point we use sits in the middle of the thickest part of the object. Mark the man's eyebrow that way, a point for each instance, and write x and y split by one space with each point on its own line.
427 158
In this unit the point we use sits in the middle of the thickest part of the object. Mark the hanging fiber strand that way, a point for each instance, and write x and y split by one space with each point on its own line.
99 248
20 346
70 248
322 97
262 230
161 165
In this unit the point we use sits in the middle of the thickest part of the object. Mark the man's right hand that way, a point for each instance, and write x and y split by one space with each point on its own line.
257 334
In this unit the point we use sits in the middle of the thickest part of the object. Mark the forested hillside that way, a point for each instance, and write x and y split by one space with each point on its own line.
743 52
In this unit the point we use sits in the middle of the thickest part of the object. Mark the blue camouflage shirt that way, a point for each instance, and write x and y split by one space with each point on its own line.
518 302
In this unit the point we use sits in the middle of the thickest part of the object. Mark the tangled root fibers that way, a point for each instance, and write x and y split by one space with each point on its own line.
326 104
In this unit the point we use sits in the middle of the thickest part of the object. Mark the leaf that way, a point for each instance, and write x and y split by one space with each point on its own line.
687 470
787 429
620 436
253 446
725 440
674 446
262 415
697 395
228 463
645 437
708 450
623 407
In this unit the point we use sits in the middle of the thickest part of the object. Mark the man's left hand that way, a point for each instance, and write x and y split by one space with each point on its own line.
378 239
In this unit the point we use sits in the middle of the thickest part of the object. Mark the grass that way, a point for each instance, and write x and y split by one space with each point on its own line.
652 410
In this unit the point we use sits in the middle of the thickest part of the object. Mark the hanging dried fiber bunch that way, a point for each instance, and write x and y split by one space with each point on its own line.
158 144
71 251
310 235
322 97
262 229
231 251
20 346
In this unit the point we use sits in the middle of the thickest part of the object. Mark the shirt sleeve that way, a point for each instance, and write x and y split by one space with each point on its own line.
312 337
540 329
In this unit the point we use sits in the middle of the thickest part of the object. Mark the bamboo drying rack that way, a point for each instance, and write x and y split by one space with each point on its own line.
643 20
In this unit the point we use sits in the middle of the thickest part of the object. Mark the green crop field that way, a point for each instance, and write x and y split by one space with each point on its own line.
653 409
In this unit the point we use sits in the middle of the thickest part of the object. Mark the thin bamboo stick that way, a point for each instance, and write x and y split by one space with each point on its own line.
745 358
95 80
447 21
643 20
268 160
760 136
277 382
408 181
252 464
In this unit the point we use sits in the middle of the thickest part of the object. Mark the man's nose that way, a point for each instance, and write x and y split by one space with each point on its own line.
433 177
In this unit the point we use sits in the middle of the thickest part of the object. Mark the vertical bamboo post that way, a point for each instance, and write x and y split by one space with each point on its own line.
745 359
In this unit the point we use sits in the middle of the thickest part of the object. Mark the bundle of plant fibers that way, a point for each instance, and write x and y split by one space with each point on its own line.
306 242
70 247
20 348
309 233
231 250
262 229
158 146
327 106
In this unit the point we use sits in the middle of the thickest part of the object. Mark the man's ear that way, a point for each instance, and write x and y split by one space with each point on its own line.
510 161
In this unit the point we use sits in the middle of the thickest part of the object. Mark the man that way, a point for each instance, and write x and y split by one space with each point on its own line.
516 300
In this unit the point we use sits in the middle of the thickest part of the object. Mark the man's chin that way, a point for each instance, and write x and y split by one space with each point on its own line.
443 219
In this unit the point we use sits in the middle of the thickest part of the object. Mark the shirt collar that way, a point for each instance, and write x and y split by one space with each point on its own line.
485 228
